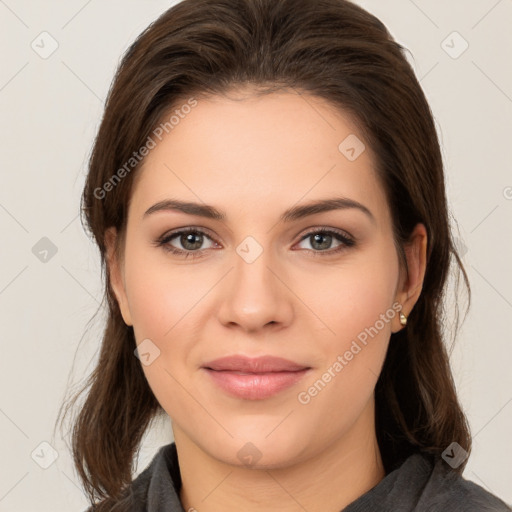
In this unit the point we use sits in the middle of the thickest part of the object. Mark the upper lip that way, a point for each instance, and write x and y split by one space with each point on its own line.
260 364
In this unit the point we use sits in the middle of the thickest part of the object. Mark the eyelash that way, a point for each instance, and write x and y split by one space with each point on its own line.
164 240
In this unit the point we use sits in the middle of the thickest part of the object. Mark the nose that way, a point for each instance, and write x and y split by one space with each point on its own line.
256 295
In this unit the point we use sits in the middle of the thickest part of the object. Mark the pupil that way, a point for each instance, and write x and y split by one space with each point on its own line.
189 239
327 238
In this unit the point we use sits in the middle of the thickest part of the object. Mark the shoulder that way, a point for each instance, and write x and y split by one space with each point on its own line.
446 489
156 488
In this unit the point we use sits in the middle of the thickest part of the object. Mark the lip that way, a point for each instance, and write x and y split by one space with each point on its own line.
261 364
254 378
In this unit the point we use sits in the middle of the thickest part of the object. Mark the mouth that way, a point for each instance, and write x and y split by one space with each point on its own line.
254 378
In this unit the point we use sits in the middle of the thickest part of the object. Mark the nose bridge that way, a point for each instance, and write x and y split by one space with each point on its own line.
253 295
252 264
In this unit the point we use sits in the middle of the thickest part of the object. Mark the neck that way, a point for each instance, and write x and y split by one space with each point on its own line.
329 481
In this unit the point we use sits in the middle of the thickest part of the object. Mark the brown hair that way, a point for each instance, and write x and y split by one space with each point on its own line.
333 50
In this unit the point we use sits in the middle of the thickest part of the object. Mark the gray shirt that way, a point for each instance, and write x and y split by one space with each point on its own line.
418 485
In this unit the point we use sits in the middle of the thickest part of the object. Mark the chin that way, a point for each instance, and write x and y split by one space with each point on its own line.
256 449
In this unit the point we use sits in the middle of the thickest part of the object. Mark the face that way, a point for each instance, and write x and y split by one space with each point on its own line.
318 287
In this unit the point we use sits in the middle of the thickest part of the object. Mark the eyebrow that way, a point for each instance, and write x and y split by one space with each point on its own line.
293 213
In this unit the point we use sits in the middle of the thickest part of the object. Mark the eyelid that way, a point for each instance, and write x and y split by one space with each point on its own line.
326 229
187 229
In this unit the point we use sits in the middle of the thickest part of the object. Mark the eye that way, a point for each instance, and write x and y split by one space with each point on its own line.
190 239
321 239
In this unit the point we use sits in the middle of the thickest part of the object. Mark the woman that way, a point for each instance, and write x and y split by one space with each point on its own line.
266 190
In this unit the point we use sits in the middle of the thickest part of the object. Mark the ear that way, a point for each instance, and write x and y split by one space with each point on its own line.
411 285
116 274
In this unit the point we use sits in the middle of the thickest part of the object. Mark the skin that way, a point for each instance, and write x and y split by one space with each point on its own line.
253 158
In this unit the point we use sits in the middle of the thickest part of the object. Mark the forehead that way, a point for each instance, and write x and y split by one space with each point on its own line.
244 153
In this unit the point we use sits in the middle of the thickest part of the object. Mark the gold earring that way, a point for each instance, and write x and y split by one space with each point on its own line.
403 319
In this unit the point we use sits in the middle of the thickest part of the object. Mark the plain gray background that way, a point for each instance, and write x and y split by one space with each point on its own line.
51 106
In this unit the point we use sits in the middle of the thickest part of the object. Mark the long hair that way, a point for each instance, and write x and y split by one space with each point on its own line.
333 50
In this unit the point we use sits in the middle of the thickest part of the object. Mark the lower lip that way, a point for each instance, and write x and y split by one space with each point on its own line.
255 386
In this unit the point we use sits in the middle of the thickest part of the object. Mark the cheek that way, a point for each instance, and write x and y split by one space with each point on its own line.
164 302
160 294
355 305
162 313
352 296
